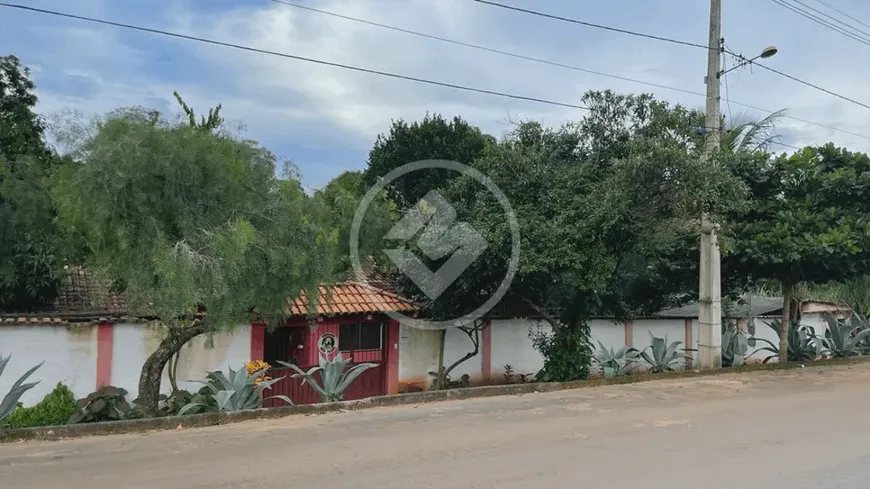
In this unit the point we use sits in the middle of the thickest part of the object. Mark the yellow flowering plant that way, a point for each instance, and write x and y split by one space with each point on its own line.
255 366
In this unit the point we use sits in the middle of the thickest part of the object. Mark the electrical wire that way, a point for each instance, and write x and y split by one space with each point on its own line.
819 20
590 24
856 30
844 14
293 56
660 38
556 64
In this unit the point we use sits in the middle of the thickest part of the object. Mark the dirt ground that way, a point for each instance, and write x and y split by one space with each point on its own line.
786 429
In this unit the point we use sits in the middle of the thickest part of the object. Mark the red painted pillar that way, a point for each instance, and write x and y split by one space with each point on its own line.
104 354
258 340
486 350
629 333
690 342
391 352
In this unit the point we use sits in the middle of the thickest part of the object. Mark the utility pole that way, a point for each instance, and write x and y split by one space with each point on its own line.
710 290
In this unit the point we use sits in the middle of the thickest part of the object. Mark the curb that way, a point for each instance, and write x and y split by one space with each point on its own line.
50 433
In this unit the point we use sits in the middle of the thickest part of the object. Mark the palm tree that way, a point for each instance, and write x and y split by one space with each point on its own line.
752 135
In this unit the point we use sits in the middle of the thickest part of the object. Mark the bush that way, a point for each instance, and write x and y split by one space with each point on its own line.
105 404
567 353
54 409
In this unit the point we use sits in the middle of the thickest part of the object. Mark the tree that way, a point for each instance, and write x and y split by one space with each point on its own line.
193 226
30 242
431 138
808 221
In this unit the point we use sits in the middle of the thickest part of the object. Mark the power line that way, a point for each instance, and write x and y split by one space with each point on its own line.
293 56
551 63
844 14
659 38
815 18
590 24
856 30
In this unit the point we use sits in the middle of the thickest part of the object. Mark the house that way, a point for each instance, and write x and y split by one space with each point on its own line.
88 340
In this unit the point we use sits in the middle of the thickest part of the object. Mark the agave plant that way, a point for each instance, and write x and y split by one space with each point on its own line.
662 357
10 401
735 344
238 391
615 363
335 378
845 337
803 343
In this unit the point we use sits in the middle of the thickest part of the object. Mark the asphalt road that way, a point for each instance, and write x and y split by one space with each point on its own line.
808 428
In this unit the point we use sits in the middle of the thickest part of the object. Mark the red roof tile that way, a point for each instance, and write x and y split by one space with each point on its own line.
352 298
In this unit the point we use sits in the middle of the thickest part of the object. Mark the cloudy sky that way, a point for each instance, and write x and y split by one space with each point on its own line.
324 119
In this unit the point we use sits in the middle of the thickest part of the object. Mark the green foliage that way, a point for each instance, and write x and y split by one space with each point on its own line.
804 345
434 137
185 220
207 123
30 240
660 356
567 353
107 403
54 409
615 363
238 391
846 337
735 344
335 377
10 400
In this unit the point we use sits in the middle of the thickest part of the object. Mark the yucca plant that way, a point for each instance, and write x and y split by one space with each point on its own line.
804 344
735 344
662 357
615 363
335 378
10 401
239 391
845 337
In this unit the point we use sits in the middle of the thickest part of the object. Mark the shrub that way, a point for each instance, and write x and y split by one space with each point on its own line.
105 404
56 408
615 363
335 376
661 356
10 401
567 353
240 390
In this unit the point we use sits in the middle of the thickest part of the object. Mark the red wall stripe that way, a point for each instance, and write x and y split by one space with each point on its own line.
258 340
104 354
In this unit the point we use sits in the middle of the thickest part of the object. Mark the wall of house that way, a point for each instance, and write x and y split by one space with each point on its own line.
510 344
133 343
69 353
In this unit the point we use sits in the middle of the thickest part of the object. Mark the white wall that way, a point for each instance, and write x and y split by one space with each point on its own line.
133 343
418 355
762 330
70 355
511 345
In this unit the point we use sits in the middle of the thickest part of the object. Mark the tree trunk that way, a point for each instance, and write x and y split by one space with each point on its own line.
173 372
152 370
785 325
473 334
440 370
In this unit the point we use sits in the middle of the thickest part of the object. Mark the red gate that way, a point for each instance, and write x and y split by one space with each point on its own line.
369 383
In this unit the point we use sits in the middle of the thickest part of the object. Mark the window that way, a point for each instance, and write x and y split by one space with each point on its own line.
360 336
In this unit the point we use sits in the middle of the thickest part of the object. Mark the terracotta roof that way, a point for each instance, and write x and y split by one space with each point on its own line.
353 298
82 297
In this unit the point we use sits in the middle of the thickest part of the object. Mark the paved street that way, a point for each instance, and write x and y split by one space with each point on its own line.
783 430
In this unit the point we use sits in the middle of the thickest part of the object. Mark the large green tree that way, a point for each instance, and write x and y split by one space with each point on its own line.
31 245
433 137
193 225
808 222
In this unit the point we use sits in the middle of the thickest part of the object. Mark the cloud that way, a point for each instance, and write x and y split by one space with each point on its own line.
325 118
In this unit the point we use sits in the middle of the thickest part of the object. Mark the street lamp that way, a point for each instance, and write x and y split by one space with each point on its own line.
767 52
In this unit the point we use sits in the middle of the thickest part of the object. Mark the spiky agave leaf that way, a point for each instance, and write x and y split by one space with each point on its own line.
10 400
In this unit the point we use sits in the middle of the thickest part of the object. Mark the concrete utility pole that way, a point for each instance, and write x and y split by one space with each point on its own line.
710 290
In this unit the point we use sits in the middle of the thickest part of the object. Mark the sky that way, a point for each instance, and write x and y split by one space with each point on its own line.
325 119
